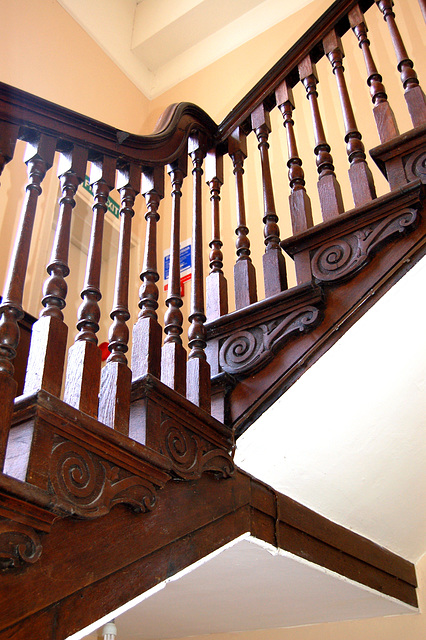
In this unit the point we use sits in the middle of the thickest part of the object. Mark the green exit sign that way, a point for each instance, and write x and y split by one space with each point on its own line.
112 205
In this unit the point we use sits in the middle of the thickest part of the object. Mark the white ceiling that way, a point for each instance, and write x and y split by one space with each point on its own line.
268 591
158 43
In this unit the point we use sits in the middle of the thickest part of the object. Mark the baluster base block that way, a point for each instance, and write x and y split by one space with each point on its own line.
245 284
216 296
416 103
146 350
330 196
83 377
173 367
198 383
114 397
8 389
300 211
362 183
46 358
274 272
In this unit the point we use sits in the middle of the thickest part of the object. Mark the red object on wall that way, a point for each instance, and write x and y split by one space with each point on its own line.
105 351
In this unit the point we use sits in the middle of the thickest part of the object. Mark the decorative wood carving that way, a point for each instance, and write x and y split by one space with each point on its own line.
415 166
344 256
19 544
190 454
88 486
249 350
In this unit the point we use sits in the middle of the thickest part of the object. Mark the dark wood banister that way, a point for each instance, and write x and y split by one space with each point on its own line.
160 148
286 67
72 461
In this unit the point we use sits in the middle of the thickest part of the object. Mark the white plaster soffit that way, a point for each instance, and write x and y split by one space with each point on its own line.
159 43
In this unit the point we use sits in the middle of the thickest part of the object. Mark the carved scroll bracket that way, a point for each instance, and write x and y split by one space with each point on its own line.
88 486
415 166
249 350
192 456
19 545
344 256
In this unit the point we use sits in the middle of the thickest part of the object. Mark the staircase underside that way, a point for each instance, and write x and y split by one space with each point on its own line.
113 559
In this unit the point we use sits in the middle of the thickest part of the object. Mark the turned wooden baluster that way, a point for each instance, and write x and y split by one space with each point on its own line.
360 176
329 191
244 271
274 269
84 357
116 377
38 158
173 357
216 285
414 96
198 369
147 332
383 114
300 204
49 334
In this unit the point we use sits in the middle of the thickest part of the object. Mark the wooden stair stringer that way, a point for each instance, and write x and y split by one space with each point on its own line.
108 561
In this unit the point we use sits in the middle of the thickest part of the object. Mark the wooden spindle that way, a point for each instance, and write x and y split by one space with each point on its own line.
360 176
414 96
216 285
84 357
300 204
38 158
244 271
198 370
116 377
46 358
173 357
385 119
329 191
147 332
274 269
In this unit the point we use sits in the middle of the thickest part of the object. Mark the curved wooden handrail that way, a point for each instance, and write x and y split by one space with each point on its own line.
159 148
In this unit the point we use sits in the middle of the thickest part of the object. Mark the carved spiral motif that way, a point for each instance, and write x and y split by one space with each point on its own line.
241 350
89 487
18 544
180 446
416 167
78 477
333 259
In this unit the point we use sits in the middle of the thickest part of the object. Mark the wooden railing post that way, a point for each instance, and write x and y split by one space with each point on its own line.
360 176
116 377
329 191
147 333
49 334
413 93
383 114
173 357
300 204
84 357
198 369
216 285
244 271
38 158
274 269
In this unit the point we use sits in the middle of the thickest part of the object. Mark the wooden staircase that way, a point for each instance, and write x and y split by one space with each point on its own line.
84 437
